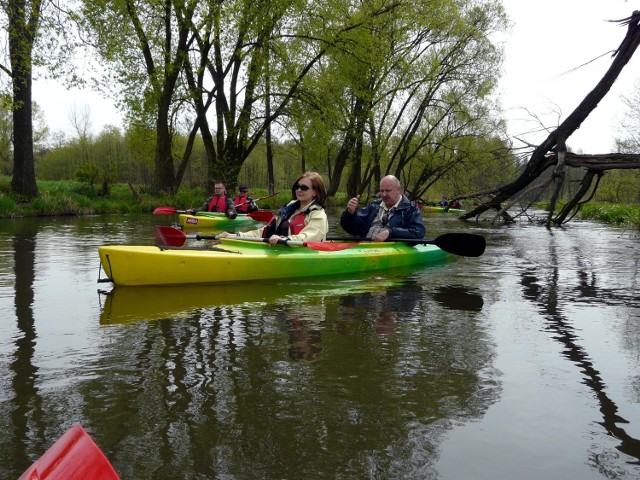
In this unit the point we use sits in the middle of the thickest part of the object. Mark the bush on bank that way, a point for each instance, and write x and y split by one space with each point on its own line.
75 198
68 197
612 213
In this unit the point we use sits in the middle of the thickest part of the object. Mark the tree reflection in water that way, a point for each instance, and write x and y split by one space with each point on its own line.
544 288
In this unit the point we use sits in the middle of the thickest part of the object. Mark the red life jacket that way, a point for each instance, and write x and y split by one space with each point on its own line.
218 203
240 199
296 223
293 226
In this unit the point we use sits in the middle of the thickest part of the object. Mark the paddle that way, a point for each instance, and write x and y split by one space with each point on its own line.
257 199
463 244
172 237
263 216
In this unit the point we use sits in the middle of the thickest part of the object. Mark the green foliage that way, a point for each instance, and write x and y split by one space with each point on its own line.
616 214
7 205
619 186
88 172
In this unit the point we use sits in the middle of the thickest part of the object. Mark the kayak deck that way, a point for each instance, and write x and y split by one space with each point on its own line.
238 261
215 220
432 209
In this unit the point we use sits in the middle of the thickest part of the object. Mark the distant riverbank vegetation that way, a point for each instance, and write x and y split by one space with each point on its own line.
69 197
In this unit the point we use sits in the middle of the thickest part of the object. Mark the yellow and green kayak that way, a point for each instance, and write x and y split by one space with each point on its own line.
234 260
432 209
219 221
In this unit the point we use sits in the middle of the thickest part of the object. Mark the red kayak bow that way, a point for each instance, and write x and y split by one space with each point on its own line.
74 456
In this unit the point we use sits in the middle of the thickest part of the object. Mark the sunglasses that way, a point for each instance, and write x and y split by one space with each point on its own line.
304 188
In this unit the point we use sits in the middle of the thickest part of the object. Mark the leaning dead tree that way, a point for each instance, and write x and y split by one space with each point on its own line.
552 153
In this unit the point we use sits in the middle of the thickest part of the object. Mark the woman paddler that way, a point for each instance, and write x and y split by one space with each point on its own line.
301 220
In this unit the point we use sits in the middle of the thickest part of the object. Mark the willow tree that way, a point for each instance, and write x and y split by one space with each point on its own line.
144 58
407 86
252 59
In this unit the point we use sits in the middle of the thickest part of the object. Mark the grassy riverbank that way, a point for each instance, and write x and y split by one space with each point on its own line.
74 198
615 214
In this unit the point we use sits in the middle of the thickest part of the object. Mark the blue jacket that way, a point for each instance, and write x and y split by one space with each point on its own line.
406 221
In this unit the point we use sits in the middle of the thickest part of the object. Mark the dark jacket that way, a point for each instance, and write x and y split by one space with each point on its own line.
406 221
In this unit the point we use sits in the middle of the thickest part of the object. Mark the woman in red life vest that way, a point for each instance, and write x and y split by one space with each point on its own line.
220 202
303 219
243 202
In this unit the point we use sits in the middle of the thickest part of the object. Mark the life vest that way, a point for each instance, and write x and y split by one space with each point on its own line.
217 203
296 223
288 225
244 201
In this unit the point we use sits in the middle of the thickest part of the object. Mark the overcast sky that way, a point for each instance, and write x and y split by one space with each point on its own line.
548 43
545 71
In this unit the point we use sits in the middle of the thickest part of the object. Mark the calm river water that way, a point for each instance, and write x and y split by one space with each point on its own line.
523 363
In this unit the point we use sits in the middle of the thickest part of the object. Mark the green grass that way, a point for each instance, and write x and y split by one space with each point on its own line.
612 213
75 198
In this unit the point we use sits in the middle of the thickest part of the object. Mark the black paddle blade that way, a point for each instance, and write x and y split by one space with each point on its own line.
464 244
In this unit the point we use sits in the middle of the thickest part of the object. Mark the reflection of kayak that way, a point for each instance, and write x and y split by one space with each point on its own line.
432 209
124 304
74 456
237 261
215 220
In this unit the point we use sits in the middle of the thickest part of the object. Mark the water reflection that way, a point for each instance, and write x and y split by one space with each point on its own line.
459 297
362 377
352 376
26 413
545 288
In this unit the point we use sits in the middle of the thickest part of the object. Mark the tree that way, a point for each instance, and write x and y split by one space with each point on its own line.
406 90
553 152
145 57
40 133
23 23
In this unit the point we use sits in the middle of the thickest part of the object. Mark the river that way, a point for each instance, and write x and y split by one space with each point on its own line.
523 363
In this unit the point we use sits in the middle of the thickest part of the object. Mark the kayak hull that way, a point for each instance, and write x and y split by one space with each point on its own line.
215 220
431 209
238 261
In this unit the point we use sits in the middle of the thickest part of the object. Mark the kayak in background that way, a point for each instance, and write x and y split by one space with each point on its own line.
219 221
432 209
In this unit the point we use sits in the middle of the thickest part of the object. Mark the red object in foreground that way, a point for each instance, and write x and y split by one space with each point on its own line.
74 456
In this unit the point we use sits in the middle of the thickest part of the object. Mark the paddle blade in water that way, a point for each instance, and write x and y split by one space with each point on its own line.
169 236
465 244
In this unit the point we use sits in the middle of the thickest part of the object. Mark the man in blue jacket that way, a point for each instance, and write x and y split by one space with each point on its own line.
391 216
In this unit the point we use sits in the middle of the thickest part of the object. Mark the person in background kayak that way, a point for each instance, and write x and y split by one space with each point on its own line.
303 219
242 202
220 202
391 216
455 204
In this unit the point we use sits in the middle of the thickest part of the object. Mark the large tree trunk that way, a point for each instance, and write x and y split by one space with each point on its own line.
23 181
24 19
547 151
165 175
